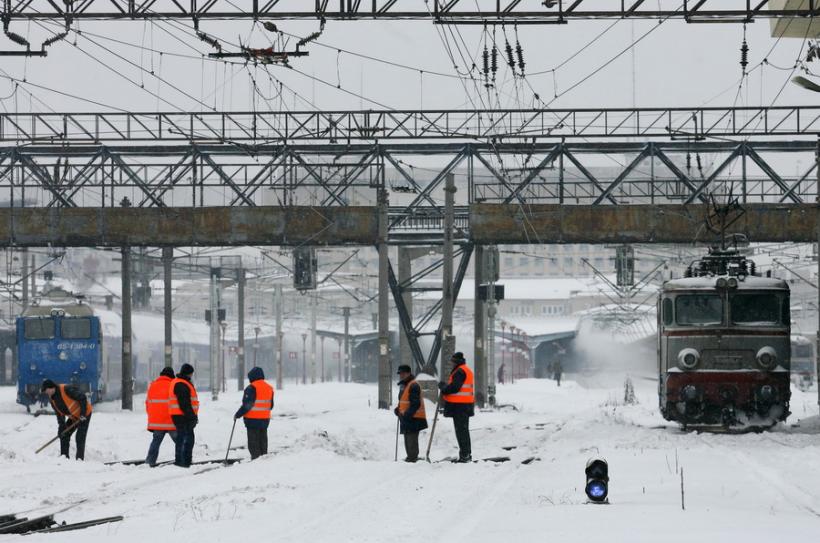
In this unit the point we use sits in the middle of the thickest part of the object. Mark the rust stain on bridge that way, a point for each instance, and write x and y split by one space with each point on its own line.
514 224
210 226
489 224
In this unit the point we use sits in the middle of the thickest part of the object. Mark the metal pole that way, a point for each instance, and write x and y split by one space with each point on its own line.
817 347
304 361
167 261
313 339
448 342
340 358
214 337
240 348
127 368
490 346
323 358
479 328
279 341
24 277
385 380
405 271
346 313
223 327
33 276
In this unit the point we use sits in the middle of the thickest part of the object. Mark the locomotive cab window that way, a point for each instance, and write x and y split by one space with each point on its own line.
755 308
667 311
699 309
39 328
75 328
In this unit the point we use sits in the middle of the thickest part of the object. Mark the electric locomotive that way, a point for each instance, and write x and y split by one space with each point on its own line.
58 338
724 345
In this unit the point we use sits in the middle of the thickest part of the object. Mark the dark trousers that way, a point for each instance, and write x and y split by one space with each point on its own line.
462 426
184 446
257 442
65 439
156 441
411 446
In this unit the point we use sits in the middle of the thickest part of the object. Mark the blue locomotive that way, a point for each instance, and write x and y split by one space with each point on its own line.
58 338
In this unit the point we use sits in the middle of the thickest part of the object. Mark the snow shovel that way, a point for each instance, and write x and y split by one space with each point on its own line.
396 458
230 439
433 429
58 436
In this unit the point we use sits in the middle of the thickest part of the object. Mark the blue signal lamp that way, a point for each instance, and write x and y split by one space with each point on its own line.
597 487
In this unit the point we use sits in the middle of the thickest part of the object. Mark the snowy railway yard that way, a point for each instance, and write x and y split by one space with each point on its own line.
330 475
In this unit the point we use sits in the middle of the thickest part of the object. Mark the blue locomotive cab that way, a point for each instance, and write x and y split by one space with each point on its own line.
61 343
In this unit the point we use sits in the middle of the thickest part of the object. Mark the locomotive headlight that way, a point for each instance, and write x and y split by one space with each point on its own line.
766 393
767 358
63 355
82 365
721 282
33 367
688 358
732 282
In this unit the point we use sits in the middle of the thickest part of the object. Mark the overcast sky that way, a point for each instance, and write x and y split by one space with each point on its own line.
676 64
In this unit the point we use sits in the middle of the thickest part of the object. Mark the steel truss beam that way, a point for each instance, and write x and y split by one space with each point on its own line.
503 125
339 175
445 11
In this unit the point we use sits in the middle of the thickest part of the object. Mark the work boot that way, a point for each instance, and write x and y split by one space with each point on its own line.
464 459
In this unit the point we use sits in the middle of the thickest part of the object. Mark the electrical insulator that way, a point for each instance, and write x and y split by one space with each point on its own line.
744 56
486 58
520 53
688 163
510 59
494 61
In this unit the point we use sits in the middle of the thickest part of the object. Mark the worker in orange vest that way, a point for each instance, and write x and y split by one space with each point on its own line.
458 395
70 402
184 411
257 404
412 418
160 424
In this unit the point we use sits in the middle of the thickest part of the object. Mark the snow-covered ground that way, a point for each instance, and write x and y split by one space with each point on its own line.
331 477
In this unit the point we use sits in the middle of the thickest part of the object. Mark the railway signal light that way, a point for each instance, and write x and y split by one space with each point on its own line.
597 487
305 268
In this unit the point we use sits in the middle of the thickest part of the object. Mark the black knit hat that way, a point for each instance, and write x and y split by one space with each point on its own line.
458 358
186 369
47 383
167 372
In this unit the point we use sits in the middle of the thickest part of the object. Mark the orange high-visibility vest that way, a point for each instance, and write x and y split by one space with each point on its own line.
467 393
156 405
404 401
173 405
264 401
72 405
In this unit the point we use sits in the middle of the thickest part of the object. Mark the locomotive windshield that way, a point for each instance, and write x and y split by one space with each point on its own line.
39 328
755 308
699 309
76 328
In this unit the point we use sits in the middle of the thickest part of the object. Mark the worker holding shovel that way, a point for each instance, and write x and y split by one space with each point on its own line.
69 402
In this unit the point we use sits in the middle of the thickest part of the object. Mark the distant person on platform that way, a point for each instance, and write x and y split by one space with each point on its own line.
160 424
69 402
500 375
412 418
458 395
257 404
184 410
558 367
